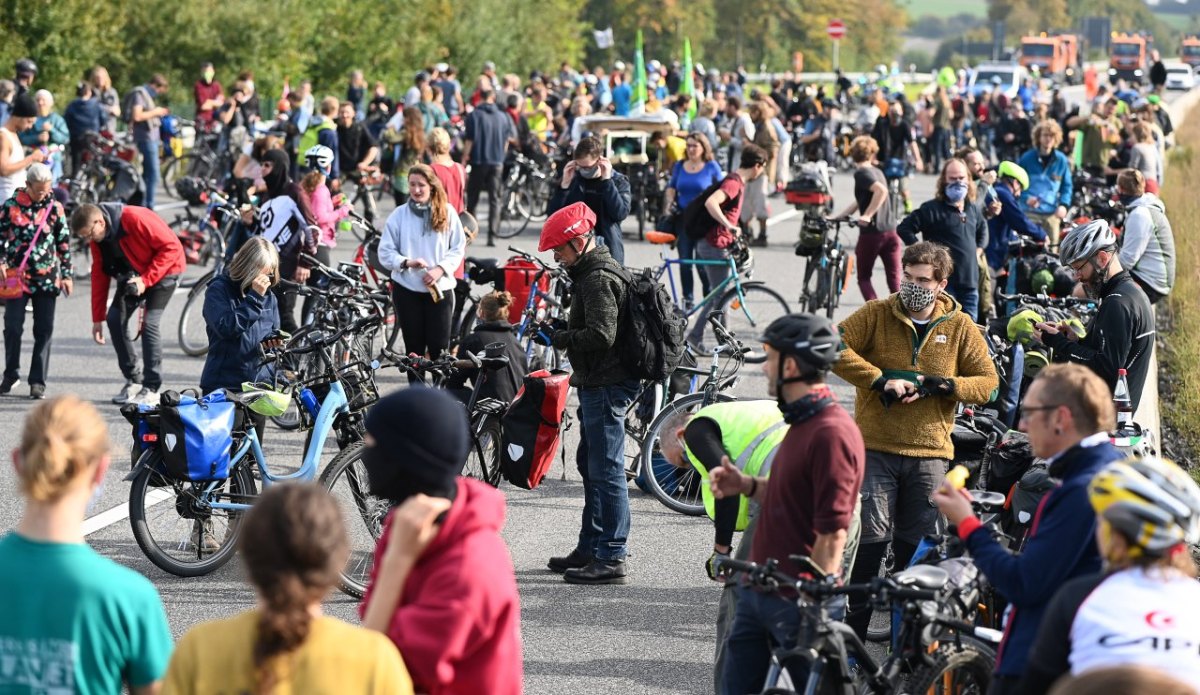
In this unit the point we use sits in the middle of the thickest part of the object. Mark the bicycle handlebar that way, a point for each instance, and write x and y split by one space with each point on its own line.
1047 300
324 341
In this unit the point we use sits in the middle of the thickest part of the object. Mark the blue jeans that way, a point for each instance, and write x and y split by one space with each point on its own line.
149 150
601 462
687 251
968 296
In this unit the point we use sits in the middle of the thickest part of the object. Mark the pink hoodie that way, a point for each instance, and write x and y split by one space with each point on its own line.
327 216
458 623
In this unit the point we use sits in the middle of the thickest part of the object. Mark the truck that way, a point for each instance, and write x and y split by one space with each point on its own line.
1129 58
1054 55
1189 50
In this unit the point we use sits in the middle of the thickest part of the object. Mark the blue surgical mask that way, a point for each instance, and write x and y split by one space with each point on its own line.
956 192
588 172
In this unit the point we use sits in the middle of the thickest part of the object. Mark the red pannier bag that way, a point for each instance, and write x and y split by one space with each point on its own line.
531 427
519 275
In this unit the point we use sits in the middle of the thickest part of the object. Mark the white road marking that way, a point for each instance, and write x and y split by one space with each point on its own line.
785 215
120 512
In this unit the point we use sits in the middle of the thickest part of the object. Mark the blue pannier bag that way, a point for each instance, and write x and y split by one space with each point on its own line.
895 168
196 435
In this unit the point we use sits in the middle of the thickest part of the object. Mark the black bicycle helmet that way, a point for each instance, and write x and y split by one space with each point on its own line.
191 189
813 341
26 66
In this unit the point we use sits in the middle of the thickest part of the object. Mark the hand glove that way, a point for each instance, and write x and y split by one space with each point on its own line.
543 334
937 386
712 566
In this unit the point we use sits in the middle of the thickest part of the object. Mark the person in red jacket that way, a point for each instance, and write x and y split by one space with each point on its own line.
442 587
133 246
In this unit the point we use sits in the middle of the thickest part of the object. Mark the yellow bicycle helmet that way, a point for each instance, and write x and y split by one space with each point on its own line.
1151 501
267 400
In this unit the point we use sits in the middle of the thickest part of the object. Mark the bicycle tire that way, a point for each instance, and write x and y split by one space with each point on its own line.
174 169
746 317
193 333
678 489
168 556
485 450
937 675
513 219
833 291
363 513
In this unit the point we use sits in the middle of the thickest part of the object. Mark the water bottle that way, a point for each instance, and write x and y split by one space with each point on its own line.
309 399
1122 400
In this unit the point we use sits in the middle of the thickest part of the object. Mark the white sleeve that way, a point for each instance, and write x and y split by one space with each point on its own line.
1138 228
389 255
457 244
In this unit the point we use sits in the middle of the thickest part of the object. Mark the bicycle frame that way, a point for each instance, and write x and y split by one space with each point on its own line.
335 404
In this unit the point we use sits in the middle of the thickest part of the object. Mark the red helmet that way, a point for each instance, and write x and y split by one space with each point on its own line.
573 221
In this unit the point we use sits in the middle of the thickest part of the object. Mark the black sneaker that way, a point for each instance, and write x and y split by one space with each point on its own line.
575 560
7 385
598 572
37 392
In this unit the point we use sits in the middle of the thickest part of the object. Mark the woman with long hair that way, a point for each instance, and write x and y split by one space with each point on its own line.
423 243
294 545
86 621
110 100
240 311
877 238
405 134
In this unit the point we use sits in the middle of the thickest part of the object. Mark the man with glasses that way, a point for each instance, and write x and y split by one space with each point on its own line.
913 356
1122 334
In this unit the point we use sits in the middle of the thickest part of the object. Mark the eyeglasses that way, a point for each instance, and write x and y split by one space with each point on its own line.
1027 410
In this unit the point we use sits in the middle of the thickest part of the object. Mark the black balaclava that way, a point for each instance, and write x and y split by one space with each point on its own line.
421 442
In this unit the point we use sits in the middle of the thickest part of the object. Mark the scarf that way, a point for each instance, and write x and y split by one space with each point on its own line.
807 406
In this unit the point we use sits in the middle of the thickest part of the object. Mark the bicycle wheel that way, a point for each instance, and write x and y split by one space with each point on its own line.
515 209
677 488
174 527
748 314
834 290
81 258
951 669
483 460
193 332
304 366
346 479
174 169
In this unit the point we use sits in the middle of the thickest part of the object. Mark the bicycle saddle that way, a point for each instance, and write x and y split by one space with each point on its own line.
923 577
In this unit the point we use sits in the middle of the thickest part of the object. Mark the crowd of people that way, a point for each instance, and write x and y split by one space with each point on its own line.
795 472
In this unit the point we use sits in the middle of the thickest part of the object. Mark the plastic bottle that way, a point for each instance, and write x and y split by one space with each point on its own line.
957 477
309 399
1122 400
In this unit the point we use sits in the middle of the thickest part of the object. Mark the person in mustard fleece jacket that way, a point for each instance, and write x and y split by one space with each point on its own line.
912 356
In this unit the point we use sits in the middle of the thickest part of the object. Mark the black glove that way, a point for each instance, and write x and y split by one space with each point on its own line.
712 566
936 386
543 333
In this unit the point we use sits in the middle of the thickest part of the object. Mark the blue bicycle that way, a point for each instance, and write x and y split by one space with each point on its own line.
190 528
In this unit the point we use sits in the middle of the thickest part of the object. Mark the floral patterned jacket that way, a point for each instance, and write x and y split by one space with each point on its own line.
50 261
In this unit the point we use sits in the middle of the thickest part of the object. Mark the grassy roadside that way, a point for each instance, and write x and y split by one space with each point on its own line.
1179 324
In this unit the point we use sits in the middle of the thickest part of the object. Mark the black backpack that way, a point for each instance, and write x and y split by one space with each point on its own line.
652 329
695 220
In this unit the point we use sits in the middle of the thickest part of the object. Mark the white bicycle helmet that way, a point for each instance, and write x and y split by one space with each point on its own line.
1083 242
1150 500
319 157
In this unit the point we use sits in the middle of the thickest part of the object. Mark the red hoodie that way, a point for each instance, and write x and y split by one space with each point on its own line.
458 622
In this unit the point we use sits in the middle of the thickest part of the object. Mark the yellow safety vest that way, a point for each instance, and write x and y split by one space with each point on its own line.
311 137
750 432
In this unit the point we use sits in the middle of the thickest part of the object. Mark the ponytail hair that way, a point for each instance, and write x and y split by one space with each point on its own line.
63 438
494 306
294 546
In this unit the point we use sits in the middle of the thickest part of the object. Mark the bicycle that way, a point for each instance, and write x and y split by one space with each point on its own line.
524 194
221 216
173 536
938 650
828 268
678 488
542 305
746 307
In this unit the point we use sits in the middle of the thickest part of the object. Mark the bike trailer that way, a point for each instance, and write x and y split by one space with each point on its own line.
531 427
196 435
811 187
519 275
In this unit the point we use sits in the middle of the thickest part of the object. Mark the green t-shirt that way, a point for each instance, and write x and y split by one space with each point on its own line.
72 621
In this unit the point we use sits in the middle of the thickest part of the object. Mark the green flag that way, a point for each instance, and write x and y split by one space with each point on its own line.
688 85
639 79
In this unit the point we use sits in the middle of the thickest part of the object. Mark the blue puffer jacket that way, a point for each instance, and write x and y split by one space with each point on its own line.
237 323
1061 546
1051 185
1003 228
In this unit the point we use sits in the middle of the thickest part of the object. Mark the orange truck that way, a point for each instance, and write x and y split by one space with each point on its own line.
1129 58
1053 55
1189 51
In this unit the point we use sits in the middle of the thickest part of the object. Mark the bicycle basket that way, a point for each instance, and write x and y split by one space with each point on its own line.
270 402
359 381
812 235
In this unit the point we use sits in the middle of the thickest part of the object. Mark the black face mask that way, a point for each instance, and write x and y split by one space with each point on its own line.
1128 200
396 481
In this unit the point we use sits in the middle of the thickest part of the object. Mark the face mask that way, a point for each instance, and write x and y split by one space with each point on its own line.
589 172
1128 200
249 86
956 192
208 75
914 297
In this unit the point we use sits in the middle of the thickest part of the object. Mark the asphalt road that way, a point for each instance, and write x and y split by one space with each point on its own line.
654 635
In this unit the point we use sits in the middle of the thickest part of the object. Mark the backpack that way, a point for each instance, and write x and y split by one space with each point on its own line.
652 328
695 220
127 103
531 426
